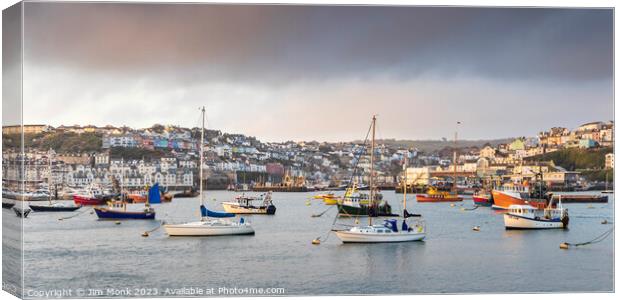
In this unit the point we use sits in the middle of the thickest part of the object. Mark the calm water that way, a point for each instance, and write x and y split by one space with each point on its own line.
82 252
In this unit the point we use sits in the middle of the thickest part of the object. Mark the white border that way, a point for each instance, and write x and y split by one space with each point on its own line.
503 3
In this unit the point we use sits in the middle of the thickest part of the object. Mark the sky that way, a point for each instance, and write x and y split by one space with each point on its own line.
319 72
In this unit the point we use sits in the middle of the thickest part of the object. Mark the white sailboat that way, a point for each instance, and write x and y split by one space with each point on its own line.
387 232
53 206
211 223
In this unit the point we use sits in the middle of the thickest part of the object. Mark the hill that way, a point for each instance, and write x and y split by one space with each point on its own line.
430 146
575 159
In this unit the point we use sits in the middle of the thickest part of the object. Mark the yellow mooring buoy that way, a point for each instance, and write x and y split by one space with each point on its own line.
316 242
476 228
564 246
145 234
117 222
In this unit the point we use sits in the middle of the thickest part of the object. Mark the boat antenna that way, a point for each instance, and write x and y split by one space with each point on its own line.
202 138
370 180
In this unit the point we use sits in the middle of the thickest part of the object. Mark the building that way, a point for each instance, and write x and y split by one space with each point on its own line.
590 126
609 161
487 152
28 129
517 144
564 179
587 143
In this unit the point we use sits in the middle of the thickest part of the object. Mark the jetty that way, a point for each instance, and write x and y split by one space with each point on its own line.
567 198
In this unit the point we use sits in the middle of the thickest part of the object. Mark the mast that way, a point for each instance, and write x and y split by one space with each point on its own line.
405 185
202 138
49 176
454 188
370 181
606 180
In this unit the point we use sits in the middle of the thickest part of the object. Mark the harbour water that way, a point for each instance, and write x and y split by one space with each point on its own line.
84 253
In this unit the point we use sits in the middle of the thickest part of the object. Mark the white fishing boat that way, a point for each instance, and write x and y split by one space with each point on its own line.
529 217
245 205
211 223
388 232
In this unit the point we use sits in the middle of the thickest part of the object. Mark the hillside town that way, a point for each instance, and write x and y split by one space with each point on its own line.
168 155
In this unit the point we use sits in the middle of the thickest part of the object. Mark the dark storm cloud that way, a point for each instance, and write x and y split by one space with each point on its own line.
285 43
318 72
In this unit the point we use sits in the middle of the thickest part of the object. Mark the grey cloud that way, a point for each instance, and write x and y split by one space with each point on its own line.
283 43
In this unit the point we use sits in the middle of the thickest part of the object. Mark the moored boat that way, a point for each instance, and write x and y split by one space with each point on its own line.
434 195
54 207
483 198
355 203
211 223
244 205
188 193
516 194
388 232
331 199
118 209
136 198
529 217
90 200
7 205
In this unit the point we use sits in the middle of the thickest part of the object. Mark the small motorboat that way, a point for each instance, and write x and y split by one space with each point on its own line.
136 198
21 212
189 193
118 210
244 205
331 200
7 205
482 199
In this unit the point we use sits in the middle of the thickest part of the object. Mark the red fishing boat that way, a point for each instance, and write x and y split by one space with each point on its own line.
516 194
88 200
483 198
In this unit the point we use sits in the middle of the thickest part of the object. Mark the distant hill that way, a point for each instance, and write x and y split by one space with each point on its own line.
576 159
430 146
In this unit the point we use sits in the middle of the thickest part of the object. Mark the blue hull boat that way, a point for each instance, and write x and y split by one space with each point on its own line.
104 213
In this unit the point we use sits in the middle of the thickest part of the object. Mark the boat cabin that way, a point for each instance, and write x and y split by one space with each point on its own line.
531 212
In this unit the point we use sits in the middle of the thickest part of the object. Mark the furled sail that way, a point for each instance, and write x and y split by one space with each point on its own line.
214 214
154 194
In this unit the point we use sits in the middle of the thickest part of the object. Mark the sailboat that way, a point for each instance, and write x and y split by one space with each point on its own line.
388 231
52 206
117 209
211 223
